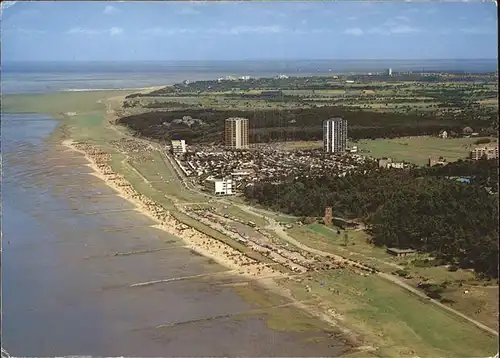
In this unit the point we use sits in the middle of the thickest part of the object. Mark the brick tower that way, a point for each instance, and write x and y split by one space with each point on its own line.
328 215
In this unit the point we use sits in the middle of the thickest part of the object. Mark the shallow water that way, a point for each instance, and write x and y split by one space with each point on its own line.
69 270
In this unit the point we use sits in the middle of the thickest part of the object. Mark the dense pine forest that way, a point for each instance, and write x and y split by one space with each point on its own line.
424 208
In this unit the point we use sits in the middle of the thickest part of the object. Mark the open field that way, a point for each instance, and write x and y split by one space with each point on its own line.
56 104
479 303
417 150
401 324
326 239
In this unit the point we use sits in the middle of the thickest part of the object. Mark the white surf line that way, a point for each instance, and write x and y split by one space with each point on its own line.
87 213
109 211
228 315
132 253
141 284
72 165
140 252
125 228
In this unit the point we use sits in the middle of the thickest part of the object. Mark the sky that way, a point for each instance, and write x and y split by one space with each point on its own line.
244 30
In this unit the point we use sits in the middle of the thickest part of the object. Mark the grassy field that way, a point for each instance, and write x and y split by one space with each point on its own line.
479 302
400 324
417 150
55 104
323 238
382 311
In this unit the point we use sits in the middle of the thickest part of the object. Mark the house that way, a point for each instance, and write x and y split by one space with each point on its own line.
437 161
443 134
400 252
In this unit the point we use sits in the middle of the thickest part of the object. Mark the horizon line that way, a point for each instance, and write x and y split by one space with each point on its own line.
258 60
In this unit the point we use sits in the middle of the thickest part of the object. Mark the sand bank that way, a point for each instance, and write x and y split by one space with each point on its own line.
194 239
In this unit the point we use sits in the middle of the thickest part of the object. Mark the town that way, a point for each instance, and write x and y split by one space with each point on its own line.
227 169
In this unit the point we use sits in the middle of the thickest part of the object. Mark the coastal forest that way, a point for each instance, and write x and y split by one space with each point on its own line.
426 209
293 124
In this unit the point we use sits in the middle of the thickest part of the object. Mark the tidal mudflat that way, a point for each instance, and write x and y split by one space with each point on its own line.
85 273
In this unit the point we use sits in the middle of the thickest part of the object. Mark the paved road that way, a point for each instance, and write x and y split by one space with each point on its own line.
273 225
419 293
278 229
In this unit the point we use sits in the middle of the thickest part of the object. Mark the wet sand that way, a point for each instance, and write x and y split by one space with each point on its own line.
75 256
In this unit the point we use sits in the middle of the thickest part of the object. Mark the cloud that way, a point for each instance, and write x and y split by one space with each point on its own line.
403 29
114 31
390 23
82 31
394 26
351 18
239 30
159 31
399 29
321 31
402 18
110 9
378 30
354 31
189 11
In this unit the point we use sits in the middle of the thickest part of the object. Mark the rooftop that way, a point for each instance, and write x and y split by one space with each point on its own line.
234 119
400 251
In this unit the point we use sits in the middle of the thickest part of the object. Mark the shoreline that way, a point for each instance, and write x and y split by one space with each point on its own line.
95 148
238 263
194 239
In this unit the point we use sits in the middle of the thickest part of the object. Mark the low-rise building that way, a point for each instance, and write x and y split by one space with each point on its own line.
219 186
400 252
388 163
490 152
437 161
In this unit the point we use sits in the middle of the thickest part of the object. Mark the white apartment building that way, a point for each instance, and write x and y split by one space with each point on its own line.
489 151
236 133
335 135
219 186
178 146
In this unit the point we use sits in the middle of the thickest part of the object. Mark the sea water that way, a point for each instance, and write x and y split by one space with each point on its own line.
70 275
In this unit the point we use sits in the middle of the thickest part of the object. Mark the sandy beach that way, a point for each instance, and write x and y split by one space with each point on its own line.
194 239
207 246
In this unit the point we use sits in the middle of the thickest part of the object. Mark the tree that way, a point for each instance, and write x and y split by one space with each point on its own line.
421 209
